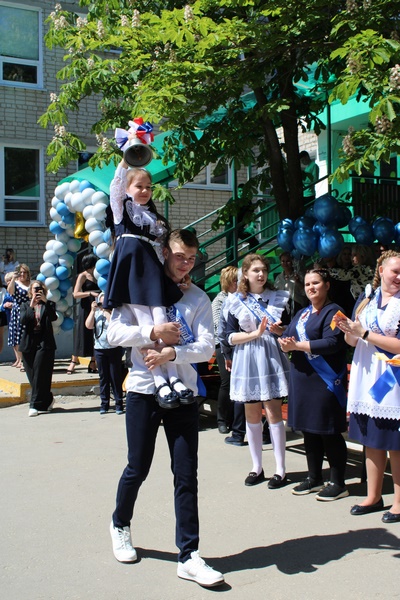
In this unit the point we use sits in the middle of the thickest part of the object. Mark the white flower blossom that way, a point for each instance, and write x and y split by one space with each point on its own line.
136 18
81 22
124 21
188 13
394 78
100 29
53 97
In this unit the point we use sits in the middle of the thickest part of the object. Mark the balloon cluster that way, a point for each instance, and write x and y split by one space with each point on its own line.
318 230
78 211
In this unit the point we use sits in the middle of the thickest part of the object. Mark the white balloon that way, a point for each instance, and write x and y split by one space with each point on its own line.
96 237
103 250
52 283
54 295
70 301
87 212
51 257
100 197
47 269
77 204
60 317
50 244
74 185
55 201
99 211
87 194
67 200
69 312
56 329
96 273
70 230
61 190
55 215
93 224
62 306
62 237
74 245
60 248
66 260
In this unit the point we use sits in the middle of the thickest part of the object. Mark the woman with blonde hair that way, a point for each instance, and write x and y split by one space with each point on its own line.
259 368
225 408
18 289
374 394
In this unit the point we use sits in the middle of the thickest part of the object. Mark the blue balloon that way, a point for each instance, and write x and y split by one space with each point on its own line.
344 216
64 285
355 222
103 266
326 209
330 244
285 239
62 273
310 212
364 234
84 184
305 240
102 283
55 228
63 209
41 277
320 229
296 254
286 224
384 230
397 234
107 236
67 324
304 222
69 219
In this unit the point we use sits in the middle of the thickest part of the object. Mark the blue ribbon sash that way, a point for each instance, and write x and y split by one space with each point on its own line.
321 367
256 309
187 337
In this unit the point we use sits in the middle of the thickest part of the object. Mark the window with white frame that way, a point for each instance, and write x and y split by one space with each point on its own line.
208 179
22 186
20 45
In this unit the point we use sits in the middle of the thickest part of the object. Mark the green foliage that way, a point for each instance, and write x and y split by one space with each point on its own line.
187 66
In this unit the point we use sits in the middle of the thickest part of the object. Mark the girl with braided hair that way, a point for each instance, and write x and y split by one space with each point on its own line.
374 392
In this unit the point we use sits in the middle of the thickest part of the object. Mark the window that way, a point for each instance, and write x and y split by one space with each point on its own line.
207 178
22 186
20 46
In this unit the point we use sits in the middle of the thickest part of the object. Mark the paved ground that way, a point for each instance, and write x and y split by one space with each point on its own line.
58 480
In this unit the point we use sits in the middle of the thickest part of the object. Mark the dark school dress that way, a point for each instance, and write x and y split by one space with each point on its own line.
83 342
311 406
136 274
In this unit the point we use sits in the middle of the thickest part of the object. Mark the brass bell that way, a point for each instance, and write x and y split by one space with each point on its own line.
137 154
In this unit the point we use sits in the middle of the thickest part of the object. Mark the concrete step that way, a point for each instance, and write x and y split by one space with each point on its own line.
15 388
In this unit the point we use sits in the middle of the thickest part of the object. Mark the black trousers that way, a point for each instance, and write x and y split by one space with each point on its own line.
143 419
109 364
334 447
39 364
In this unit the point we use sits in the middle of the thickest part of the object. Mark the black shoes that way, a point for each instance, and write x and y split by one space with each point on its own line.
185 396
276 482
223 428
234 441
307 486
357 509
254 479
332 491
389 517
171 400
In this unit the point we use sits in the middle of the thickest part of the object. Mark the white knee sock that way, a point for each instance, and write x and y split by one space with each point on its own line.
278 440
254 437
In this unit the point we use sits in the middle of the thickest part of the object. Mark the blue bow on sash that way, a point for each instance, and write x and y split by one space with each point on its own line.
187 337
321 367
386 381
256 308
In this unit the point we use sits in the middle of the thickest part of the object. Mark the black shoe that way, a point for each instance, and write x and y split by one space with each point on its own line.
171 400
234 441
332 491
253 479
389 517
358 509
223 429
186 396
276 482
307 486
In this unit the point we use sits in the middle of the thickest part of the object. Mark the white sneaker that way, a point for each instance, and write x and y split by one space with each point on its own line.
33 412
195 569
122 544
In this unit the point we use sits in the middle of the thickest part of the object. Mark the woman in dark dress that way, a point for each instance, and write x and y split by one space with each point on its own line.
317 398
86 290
38 346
